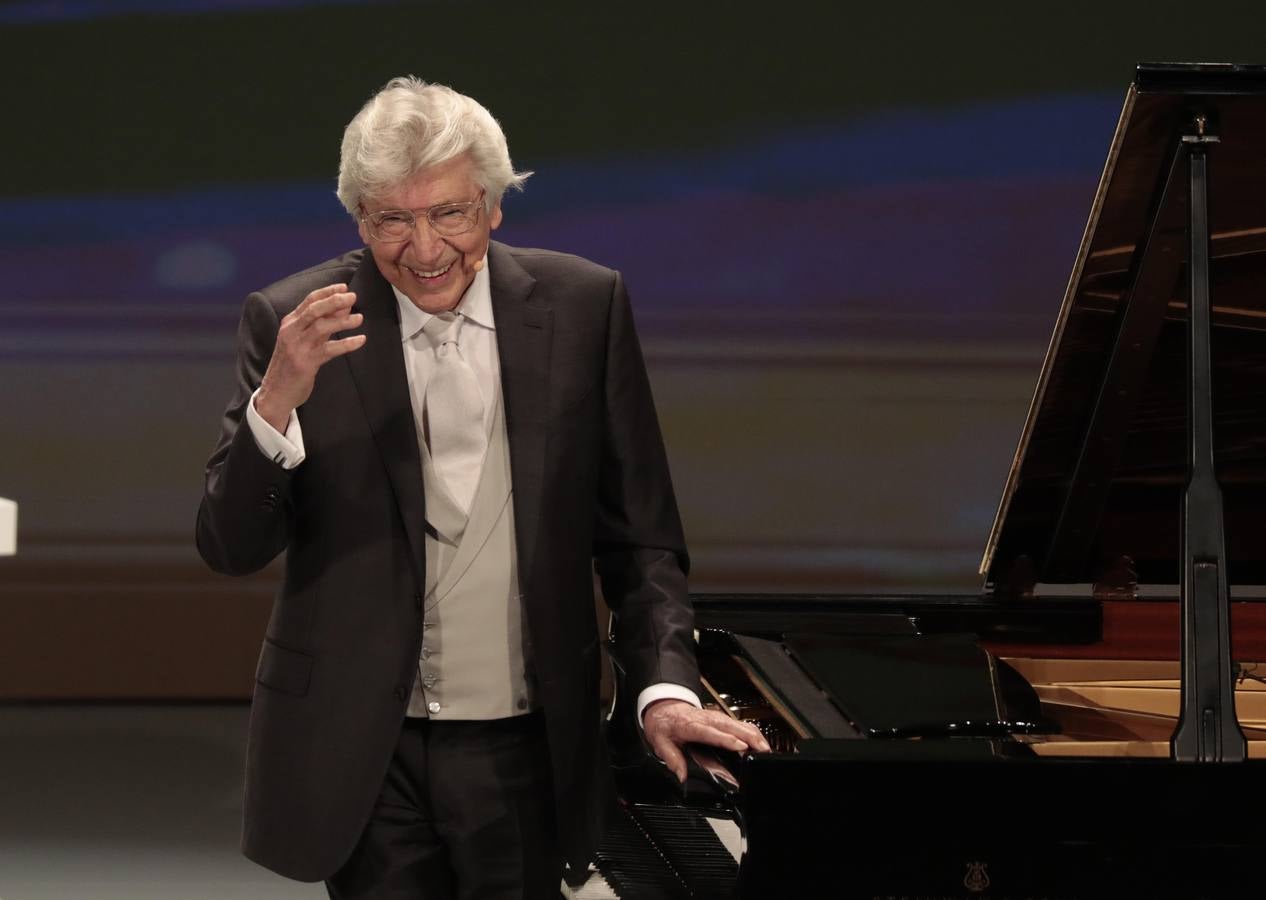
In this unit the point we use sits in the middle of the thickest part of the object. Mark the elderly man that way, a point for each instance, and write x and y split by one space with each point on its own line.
446 435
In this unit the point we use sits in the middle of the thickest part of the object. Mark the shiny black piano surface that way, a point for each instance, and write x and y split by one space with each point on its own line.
916 751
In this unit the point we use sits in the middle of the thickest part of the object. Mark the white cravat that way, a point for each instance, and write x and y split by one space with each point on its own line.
454 412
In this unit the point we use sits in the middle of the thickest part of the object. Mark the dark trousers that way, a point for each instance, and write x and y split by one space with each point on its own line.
466 811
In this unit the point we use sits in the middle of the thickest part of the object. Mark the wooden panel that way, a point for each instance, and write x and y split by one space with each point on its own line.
113 632
1148 630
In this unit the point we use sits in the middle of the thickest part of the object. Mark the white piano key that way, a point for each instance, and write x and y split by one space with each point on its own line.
596 888
728 833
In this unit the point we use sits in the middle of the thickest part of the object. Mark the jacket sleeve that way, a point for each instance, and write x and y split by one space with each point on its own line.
245 517
639 549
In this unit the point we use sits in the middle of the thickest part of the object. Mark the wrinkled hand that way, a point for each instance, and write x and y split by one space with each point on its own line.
670 723
303 346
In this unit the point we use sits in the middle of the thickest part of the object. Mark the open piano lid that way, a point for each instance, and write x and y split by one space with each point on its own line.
1097 481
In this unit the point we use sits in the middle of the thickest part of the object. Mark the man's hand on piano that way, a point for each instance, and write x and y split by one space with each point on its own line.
669 723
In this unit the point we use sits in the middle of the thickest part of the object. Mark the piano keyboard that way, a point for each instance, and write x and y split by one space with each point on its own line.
657 853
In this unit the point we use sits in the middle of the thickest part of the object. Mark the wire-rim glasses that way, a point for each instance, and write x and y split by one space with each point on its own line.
391 226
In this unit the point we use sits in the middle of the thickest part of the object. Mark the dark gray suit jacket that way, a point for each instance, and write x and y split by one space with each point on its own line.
591 485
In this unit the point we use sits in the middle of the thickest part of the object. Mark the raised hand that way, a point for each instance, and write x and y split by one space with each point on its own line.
303 346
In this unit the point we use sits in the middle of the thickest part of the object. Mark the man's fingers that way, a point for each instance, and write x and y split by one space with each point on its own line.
320 294
683 723
343 346
672 757
335 304
303 347
308 314
703 733
719 730
328 325
306 329
301 314
746 732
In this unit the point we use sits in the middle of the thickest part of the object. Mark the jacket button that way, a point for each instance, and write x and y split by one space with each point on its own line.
433 707
401 693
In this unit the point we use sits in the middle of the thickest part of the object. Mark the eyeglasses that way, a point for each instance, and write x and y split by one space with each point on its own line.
390 226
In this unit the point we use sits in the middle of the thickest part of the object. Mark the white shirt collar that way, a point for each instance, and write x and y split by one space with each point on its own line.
475 306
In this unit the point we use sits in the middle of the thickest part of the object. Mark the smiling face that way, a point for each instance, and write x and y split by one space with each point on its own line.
430 269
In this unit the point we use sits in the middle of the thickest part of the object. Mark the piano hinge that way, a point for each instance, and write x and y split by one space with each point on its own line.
1118 580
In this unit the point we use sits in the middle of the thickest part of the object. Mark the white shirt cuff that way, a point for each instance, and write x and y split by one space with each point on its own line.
664 691
286 450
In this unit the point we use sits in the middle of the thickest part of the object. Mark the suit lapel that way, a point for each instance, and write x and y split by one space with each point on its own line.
378 370
524 329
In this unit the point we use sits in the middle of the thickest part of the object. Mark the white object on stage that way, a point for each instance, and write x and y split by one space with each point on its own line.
8 527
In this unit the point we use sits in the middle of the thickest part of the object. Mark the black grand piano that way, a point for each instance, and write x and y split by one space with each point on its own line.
1092 724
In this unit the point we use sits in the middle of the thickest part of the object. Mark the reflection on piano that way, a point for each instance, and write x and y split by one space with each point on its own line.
1093 724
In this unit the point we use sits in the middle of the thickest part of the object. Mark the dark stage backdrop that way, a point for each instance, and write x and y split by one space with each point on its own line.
846 228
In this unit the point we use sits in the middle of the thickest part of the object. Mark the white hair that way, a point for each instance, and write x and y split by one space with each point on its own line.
409 126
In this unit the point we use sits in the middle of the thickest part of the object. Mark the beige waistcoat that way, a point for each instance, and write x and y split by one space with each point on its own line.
473 662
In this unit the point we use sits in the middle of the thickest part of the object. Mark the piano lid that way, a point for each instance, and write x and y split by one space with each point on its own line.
1097 481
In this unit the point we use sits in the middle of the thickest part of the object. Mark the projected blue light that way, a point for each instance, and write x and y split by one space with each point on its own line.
939 224
1047 137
